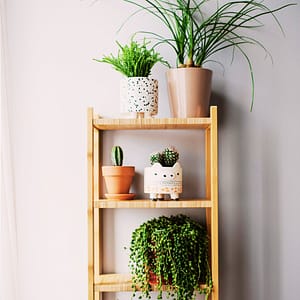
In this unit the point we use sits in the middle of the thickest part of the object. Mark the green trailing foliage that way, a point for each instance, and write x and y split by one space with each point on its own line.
117 156
167 158
134 60
175 249
196 35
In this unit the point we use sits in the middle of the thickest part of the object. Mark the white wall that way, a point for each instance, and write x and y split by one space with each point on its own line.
52 81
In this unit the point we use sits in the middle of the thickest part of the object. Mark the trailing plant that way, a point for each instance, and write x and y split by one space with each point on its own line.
134 60
196 36
167 158
117 156
175 249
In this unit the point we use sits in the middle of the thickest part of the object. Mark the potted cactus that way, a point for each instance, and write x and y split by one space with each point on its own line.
164 176
118 178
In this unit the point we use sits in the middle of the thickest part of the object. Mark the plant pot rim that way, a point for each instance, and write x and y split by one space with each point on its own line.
118 170
189 68
150 78
119 167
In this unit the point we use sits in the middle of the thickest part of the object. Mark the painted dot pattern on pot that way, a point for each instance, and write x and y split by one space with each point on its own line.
139 94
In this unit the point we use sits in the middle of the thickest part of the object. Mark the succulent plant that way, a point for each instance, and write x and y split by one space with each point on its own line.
167 158
176 250
117 156
170 156
155 157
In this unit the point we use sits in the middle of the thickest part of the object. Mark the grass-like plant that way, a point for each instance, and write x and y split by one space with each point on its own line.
175 249
134 60
196 36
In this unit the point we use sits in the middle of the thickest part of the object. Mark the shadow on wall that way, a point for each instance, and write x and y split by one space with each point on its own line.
249 213
270 217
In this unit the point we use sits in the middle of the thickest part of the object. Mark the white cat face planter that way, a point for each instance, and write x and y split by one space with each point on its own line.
139 95
159 181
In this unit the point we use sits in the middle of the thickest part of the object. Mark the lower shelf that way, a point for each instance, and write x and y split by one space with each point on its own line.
117 283
113 283
146 203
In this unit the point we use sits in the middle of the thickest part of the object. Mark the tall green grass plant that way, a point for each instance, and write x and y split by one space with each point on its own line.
196 35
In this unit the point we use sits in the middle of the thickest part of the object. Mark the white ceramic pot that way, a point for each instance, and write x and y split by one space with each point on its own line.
139 95
159 181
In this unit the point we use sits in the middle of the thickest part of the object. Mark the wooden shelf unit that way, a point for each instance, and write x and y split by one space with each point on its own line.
99 282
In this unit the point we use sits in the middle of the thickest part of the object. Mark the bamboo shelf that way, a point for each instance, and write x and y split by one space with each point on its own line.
145 203
152 123
98 283
117 283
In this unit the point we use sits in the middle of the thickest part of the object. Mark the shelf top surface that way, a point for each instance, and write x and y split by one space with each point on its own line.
119 282
146 203
153 123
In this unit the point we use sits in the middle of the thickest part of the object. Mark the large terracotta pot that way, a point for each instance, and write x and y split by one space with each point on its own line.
118 179
189 92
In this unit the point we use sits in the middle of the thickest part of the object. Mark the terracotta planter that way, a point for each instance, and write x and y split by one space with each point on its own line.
139 95
154 279
189 92
118 179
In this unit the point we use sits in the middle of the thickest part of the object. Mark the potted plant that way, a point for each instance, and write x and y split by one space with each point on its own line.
164 176
195 36
118 178
138 92
170 252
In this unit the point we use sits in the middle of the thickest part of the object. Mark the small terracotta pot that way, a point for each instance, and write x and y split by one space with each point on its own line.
154 279
118 178
189 92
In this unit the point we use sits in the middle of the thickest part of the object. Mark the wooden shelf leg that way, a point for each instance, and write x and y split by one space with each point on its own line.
90 209
211 171
214 199
98 296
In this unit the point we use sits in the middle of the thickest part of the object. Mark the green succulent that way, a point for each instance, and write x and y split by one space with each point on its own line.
170 156
117 156
167 158
155 157
175 249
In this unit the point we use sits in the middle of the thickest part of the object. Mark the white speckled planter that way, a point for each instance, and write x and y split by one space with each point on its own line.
159 181
139 95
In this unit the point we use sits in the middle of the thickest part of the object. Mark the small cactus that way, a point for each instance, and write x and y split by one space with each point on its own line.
167 158
155 157
117 156
170 156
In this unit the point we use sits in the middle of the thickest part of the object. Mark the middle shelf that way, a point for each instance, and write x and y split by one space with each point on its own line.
146 203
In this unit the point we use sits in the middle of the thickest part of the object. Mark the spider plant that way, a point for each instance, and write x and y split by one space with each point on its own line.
196 36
